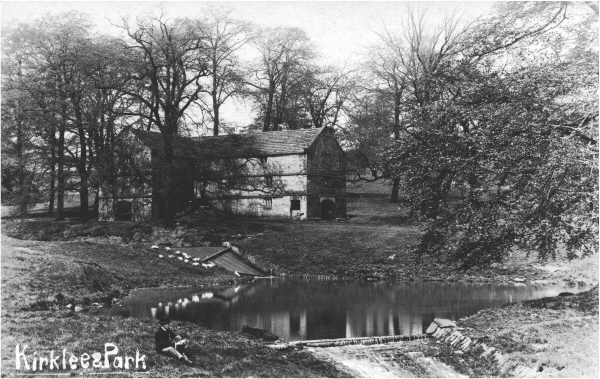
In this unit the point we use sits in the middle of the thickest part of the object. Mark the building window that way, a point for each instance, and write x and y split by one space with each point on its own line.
295 205
268 180
263 160
268 203
327 182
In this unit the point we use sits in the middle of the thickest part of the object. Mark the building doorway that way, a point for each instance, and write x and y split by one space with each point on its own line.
295 209
327 210
123 211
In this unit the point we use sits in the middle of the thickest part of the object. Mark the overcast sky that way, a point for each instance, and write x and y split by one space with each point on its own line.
341 30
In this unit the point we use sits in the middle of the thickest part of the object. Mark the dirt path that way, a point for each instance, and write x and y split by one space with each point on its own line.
391 360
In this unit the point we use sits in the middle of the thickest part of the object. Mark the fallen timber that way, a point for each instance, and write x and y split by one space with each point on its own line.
349 341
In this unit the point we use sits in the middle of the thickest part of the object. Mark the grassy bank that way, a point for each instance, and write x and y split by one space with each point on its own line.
558 336
36 272
374 241
61 273
214 354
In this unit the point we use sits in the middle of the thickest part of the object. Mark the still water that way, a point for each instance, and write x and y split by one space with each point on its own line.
296 309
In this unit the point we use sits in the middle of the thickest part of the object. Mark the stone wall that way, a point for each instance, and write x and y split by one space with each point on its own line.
326 157
446 330
277 207
141 209
326 175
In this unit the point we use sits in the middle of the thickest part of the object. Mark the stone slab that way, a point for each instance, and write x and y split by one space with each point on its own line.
444 323
432 328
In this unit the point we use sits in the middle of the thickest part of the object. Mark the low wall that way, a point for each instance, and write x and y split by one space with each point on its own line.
446 331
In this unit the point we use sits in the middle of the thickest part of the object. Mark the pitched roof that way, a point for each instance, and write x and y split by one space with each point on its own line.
183 146
236 145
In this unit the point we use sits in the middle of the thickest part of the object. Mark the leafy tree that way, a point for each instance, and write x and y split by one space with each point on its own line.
51 49
106 107
405 70
19 169
517 143
366 136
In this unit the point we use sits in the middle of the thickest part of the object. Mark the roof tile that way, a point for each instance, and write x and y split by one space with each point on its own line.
236 145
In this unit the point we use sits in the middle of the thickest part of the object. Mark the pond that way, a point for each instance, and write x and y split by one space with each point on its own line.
297 309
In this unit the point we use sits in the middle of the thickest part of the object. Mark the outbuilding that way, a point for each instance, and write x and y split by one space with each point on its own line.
297 174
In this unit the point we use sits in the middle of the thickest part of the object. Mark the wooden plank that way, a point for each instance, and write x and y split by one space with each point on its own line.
224 257
231 261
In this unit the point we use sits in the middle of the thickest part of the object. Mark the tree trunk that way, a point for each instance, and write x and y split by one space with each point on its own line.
60 190
52 192
215 117
82 168
96 208
395 190
215 99
278 119
169 188
267 123
23 187
396 181
83 196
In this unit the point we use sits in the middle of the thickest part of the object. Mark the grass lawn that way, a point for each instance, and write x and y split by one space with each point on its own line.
374 241
557 336
35 272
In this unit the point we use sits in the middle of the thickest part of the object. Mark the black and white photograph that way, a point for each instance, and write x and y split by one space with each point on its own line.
306 189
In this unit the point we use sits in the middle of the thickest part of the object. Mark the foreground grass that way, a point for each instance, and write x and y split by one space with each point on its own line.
214 354
34 273
556 336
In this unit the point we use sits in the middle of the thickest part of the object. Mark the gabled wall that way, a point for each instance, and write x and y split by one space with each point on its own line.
326 175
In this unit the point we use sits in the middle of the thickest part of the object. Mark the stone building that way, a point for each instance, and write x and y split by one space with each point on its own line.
298 174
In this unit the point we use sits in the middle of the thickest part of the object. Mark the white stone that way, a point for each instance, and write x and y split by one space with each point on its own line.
432 328
444 323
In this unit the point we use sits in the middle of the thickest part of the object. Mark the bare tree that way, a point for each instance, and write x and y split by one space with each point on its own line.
324 92
283 51
224 38
171 60
406 66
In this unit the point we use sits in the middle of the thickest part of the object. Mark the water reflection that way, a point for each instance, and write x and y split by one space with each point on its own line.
299 310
